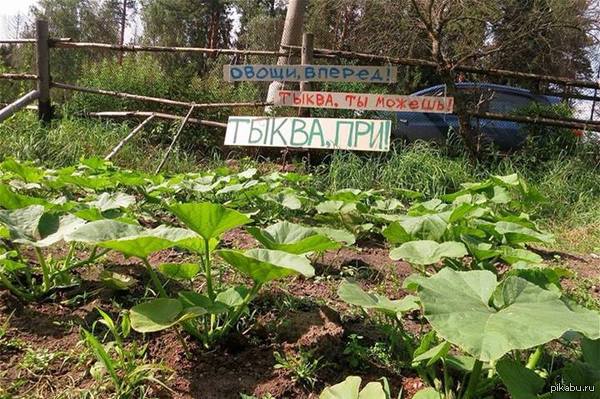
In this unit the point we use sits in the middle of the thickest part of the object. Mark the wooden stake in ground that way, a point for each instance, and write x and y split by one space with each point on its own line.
174 140
128 137
307 59
43 70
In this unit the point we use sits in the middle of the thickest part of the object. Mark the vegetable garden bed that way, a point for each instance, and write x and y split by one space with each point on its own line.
247 283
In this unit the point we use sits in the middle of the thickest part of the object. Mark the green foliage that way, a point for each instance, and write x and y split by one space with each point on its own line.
124 365
303 366
545 142
487 319
350 389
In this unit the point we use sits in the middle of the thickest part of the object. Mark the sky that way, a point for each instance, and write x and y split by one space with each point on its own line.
9 9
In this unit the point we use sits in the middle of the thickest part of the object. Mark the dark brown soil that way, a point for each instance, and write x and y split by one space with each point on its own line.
291 317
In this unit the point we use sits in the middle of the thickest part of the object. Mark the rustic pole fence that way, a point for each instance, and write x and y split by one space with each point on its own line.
128 137
44 83
43 70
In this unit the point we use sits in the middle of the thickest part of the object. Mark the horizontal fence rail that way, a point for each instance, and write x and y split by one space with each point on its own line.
167 49
18 76
159 100
327 53
32 41
541 120
162 115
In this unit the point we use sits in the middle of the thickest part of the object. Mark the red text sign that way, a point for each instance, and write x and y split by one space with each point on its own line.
366 102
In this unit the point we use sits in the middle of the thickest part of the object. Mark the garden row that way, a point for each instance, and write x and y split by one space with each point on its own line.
490 302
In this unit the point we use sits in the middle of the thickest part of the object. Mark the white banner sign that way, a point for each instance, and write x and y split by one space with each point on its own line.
310 73
366 102
327 133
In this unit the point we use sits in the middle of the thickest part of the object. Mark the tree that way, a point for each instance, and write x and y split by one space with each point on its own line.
477 32
193 23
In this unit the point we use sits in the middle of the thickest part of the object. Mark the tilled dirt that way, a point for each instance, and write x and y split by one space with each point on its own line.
291 317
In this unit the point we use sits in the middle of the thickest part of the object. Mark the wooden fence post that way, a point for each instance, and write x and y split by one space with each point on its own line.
307 59
43 70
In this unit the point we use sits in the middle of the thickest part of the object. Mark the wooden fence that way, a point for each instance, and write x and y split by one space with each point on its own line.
42 77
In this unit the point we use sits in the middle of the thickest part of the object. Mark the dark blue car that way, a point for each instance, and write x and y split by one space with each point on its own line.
490 97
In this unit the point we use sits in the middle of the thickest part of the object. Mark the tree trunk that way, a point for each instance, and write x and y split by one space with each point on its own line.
123 23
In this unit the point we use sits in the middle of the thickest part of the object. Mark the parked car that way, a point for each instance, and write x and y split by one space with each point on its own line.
490 97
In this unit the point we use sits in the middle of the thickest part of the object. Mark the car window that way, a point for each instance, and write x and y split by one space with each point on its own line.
504 103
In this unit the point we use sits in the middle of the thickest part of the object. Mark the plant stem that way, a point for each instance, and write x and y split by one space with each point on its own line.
44 266
69 255
93 256
238 312
473 379
207 270
12 288
534 358
155 280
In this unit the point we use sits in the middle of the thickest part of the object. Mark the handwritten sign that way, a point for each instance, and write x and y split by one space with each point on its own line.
327 133
366 102
310 73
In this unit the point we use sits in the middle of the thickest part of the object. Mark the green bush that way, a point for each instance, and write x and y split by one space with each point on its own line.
547 142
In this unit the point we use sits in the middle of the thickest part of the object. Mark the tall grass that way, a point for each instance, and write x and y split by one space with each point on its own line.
66 140
570 183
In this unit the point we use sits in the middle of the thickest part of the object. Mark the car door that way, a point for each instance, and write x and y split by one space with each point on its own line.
505 134
422 125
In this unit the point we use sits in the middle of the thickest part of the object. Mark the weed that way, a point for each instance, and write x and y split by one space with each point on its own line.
124 365
581 292
38 361
356 353
303 366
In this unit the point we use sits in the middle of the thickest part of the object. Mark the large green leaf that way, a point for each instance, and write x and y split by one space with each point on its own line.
22 223
353 294
427 252
208 219
487 319
342 236
349 389
292 238
108 201
149 241
264 265
54 228
516 233
160 314
521 382
103 230
427 393
425 227
179 271
11 200
131 240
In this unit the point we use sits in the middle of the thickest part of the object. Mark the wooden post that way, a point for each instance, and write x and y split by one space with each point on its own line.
128 137
43 70
166 156
307 59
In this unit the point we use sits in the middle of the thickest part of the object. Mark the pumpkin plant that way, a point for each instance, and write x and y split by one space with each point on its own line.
488 319
211 314
35 228
350 389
